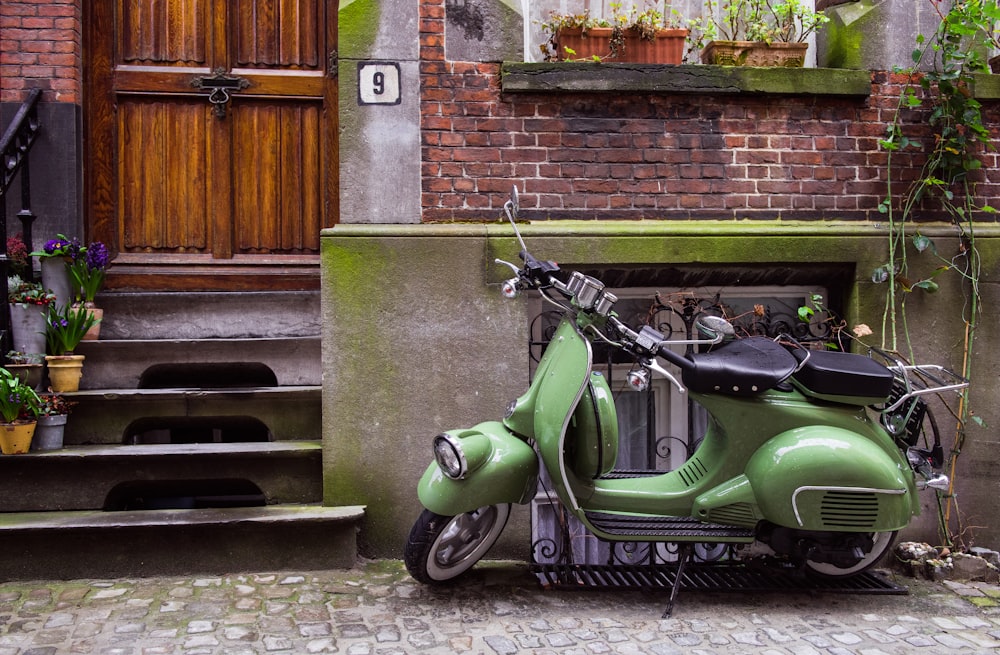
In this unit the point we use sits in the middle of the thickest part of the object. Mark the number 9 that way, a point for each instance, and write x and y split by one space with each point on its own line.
378 83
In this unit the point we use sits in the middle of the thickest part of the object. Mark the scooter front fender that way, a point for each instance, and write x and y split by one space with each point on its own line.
506 471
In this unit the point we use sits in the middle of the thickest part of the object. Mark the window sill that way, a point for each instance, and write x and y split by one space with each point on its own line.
589 77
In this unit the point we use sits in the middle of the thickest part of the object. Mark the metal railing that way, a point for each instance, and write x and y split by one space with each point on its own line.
15 145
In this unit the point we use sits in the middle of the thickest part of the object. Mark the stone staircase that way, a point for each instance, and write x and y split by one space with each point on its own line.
195 447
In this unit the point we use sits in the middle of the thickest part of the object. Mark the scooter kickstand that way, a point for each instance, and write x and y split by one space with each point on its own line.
683 556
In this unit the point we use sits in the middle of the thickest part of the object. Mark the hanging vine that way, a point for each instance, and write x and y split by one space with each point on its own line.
939 83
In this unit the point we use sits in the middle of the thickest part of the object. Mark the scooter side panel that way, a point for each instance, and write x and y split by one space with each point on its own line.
825 478
508 474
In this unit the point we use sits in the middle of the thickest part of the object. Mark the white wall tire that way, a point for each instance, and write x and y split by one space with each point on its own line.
442 548
881 543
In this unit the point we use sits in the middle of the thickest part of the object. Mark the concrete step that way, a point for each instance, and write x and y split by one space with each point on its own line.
95 544
186 315
111 476
115 416
135 363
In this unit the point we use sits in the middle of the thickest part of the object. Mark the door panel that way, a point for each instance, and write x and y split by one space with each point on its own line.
164 189
164 32
279 34
243 183
278 185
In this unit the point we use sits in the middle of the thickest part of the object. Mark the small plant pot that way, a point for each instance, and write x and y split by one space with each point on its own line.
27 326
49 433
56 278
29 374
94 333
65 372
15 438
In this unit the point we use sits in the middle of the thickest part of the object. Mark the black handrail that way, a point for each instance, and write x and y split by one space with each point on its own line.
14 148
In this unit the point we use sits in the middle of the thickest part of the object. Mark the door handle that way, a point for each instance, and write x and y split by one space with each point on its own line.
220 86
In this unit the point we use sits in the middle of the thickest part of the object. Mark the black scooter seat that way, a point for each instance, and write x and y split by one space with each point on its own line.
743 367
835 373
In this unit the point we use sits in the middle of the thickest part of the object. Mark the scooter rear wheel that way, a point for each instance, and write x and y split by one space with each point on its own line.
881 543
441 548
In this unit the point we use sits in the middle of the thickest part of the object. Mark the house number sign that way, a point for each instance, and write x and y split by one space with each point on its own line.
378 83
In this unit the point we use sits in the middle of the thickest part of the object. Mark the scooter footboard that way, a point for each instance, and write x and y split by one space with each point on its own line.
502 469
831 479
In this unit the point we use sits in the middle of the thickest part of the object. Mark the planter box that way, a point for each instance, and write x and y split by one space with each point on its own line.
666 48
755 53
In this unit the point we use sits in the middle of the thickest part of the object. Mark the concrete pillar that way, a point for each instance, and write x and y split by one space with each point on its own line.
379 73
875 34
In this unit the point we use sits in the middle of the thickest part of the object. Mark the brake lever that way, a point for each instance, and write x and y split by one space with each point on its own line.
654 366
506 263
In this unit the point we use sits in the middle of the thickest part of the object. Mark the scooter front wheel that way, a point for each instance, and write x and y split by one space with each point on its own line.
881 542
441 548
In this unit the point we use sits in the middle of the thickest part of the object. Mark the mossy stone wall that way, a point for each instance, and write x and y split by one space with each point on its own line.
417 339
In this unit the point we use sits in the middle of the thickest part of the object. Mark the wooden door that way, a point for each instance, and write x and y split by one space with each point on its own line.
211 153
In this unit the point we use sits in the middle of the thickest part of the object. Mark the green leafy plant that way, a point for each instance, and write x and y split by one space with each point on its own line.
28 293
18 401
769 21
65 327
18 357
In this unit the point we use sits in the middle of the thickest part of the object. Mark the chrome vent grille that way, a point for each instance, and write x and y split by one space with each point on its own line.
849 509
691 472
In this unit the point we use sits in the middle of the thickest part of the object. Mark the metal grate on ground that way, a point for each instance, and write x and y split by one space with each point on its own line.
733 578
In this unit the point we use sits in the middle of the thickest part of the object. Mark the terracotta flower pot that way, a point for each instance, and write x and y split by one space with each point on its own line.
755 53
15 438
65 372
666 48
94 333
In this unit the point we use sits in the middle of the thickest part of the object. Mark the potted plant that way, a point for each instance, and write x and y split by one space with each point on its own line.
18 410
18 258
629 35
87 270
65 326
755 32
26 366
28 301
53 413
55 257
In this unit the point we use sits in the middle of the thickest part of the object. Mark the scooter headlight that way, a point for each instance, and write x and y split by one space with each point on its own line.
449 456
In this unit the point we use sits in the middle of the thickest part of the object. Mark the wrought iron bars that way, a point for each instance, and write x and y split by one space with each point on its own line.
14 148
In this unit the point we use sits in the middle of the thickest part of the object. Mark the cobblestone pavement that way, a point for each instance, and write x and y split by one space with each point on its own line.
377 609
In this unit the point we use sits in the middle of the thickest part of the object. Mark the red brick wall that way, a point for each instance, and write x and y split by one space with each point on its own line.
649 156
40 46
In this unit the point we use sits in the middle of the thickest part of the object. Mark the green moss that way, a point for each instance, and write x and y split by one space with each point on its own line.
843 46
357 26
353 277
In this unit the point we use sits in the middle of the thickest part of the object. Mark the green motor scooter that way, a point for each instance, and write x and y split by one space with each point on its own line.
809 455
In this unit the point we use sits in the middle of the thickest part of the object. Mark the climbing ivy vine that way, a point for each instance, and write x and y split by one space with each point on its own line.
940 85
